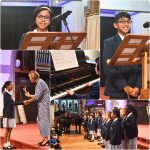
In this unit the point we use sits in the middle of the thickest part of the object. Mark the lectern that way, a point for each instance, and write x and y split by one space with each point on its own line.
51 40
134 50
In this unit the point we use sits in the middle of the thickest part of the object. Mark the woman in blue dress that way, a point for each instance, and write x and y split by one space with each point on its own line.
42 97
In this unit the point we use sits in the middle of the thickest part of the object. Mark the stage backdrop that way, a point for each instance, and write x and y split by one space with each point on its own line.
107 30
15 21
141 107
93 32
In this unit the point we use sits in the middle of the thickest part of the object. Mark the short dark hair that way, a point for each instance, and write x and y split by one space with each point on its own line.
116 112
131 109
121 15
36 12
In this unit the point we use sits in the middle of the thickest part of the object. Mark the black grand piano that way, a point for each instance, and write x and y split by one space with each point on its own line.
73 79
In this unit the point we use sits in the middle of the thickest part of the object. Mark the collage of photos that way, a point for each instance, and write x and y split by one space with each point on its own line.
75 74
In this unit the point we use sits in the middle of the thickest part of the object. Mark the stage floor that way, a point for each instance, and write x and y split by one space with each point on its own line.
144 131
26 134
76 141
29 134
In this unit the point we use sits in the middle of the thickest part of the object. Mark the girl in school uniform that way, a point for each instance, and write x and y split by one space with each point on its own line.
9 121
92 128
99 125
123 118
115 130
130 127
107 129
102 141
41 21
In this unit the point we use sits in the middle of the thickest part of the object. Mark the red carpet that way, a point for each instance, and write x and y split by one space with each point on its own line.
24 136
144 136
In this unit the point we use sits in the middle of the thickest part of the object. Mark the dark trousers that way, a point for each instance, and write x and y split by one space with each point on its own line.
79 128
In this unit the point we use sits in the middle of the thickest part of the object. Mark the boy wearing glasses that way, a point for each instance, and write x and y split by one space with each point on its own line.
122 82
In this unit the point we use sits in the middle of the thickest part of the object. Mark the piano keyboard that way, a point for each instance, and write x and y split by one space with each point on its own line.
59 92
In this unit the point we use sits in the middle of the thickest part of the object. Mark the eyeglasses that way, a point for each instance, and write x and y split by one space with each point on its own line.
125 21
40 17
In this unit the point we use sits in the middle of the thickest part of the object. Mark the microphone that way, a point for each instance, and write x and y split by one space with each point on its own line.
61 16
146 24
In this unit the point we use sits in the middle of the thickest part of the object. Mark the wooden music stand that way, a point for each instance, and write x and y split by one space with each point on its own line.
51 40
134 50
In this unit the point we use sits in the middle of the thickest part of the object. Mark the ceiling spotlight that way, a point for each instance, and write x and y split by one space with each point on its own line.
57 1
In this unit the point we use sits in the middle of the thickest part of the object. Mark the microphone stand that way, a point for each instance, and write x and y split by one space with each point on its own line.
72 40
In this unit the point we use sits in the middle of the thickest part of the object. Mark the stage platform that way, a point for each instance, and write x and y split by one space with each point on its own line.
144 137
26 136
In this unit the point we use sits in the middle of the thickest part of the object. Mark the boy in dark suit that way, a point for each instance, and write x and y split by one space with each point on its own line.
115 130
123 82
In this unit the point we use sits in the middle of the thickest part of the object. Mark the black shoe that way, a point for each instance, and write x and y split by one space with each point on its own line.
44 144
91 140
103 146
8 147
40 142
12 147
99 143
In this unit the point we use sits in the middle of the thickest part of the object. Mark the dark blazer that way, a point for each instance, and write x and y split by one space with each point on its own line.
120 76
122 126
99 122
107 130
93 93
103 129
9 109
130 127
78 121
85 125
92 125
115 133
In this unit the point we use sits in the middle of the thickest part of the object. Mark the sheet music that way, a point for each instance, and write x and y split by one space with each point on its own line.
63 59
